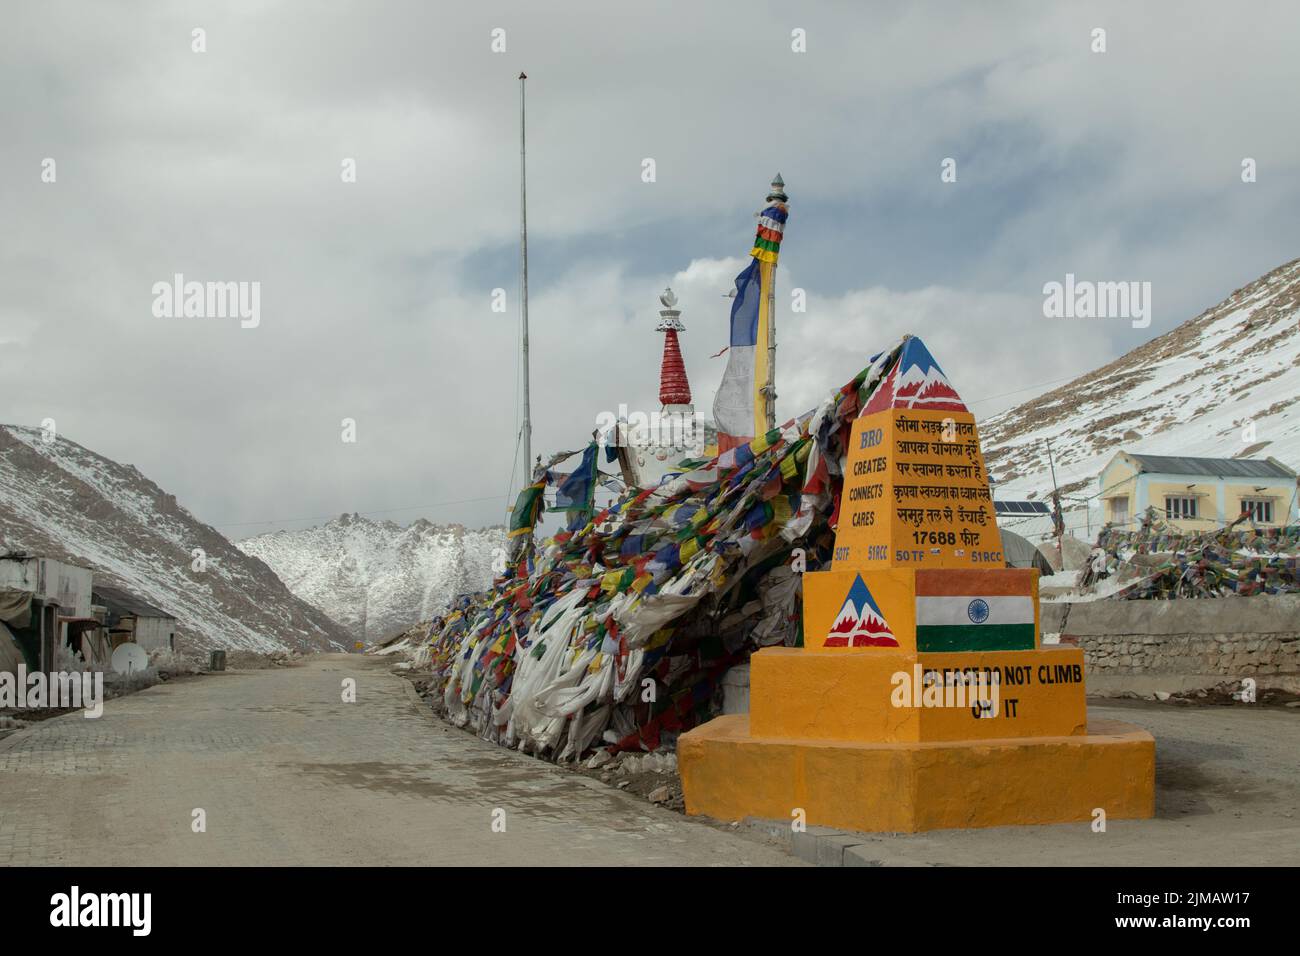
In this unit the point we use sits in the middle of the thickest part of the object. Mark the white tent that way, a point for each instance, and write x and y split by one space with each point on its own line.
1020 553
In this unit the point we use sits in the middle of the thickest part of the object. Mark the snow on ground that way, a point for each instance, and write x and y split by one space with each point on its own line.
60 500
1224 384
377 577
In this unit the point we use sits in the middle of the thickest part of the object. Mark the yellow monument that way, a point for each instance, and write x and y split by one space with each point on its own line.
922 697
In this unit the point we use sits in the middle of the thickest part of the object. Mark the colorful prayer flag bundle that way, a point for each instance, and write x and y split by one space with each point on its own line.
552 659
1209 564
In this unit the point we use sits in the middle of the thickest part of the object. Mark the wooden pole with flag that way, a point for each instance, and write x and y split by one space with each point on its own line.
769 388
744 407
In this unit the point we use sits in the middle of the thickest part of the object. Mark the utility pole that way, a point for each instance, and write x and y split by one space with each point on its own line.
523 282
1058 519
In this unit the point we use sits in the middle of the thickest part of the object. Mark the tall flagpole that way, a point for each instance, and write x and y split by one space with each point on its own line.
523 284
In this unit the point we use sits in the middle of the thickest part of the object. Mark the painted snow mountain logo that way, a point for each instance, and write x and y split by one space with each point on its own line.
916 381
860 623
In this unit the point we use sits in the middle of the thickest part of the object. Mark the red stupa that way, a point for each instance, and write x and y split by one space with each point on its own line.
674 387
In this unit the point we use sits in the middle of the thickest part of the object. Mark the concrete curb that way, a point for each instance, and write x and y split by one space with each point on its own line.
414 695
826 846
823 846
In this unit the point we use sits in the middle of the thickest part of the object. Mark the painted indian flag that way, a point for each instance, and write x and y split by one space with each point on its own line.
960 610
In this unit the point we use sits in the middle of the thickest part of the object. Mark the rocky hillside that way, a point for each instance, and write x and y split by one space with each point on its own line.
375 577
60 500
1225 384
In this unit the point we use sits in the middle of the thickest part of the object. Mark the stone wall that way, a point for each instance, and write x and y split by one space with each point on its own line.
1228 637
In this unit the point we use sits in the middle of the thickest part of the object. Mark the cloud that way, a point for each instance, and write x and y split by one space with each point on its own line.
376 296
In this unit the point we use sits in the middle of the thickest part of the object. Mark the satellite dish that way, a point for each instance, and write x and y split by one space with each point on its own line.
130 659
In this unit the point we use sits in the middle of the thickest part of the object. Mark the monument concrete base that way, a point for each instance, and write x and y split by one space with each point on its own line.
906 787
922 697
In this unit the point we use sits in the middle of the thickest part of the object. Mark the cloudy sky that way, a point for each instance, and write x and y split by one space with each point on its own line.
376 295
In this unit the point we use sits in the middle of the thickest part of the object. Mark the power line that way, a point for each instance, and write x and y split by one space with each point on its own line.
1027 388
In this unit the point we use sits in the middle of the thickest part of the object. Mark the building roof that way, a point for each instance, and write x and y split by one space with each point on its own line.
121 603
1213 467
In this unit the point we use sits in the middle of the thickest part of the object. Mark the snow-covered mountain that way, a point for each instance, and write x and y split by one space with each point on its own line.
376 577
1225 384
60 500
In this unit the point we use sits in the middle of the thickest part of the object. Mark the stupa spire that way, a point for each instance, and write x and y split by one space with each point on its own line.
674 388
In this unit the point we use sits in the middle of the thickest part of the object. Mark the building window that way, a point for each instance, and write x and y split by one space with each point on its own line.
1119 510
1180 507
1260 510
